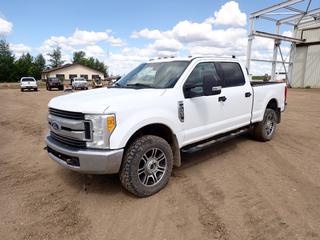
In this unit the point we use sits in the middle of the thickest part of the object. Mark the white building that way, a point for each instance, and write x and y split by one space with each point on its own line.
306 62
69 71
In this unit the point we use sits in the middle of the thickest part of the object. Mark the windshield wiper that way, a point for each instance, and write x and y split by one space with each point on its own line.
117 85
139 85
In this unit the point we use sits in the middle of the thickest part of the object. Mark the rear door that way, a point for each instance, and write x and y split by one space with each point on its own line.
237 104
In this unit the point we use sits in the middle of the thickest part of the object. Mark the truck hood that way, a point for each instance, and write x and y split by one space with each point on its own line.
97 101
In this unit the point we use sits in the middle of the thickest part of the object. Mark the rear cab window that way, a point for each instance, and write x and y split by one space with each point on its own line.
231 73
28 80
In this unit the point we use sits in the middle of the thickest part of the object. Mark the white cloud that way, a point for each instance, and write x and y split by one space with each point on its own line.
94 51
260 43
5 27
287 34
230 14
81 38
19 49
146 33
170 45
187 31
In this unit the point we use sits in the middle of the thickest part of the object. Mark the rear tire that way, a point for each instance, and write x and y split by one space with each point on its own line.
36 89
264 131
21 89
147 166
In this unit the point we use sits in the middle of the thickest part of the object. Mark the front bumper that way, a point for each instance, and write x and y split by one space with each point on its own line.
88 161
55 85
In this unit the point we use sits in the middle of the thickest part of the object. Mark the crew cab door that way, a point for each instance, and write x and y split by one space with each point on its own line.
237 95
203 115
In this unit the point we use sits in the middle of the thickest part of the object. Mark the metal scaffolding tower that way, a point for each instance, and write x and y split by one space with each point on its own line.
295 18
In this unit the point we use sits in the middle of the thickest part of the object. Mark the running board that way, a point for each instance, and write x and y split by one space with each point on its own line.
212 141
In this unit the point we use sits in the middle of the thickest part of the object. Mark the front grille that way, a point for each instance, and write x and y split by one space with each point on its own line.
66 114
68 141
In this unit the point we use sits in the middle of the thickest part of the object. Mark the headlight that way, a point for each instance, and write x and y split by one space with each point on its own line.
102 128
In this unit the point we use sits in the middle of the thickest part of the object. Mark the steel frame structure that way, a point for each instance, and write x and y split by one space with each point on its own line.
295 18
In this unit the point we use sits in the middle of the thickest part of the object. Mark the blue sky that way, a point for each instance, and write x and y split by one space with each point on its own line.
112 30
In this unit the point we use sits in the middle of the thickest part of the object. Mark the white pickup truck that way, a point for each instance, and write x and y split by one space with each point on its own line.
28 83
139 126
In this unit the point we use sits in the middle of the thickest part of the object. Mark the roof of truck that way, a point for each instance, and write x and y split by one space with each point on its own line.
191 58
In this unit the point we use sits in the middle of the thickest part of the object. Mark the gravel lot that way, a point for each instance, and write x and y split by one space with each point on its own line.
241 189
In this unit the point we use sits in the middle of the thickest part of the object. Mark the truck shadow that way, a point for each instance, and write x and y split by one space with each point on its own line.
211 153
101 184
111 185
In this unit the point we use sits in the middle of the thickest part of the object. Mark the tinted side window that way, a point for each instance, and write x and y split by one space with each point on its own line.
232 74
194 82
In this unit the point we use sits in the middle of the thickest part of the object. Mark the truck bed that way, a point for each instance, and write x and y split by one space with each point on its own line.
263 92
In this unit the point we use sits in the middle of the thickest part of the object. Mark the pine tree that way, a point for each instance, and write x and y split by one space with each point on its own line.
6 63
55 58
39 65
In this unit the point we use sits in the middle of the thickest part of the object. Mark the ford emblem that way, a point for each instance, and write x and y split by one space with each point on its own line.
55 126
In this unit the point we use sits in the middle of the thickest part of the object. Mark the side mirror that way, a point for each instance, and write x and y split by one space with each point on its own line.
211 85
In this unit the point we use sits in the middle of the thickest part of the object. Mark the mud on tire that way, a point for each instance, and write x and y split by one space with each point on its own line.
146 166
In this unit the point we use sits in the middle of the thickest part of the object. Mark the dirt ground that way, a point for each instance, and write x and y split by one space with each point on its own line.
241 189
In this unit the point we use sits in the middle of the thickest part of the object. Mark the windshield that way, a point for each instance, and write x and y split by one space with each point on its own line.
154 75
27 80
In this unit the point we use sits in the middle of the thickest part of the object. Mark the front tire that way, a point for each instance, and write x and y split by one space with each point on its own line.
147 166
264 131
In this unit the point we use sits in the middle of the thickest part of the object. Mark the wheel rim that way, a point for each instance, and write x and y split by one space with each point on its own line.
152 167
270 124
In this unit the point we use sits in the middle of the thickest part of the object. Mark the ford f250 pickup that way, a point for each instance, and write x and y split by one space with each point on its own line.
54 82
139 126
28 83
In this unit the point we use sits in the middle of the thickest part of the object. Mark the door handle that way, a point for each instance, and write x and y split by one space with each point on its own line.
222 99
248 94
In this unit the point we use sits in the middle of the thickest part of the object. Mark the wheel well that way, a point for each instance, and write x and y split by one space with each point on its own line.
273 104
164 132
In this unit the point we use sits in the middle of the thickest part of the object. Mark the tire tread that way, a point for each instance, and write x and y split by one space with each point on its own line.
135 147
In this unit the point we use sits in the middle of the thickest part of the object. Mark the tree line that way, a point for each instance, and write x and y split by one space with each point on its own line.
12 69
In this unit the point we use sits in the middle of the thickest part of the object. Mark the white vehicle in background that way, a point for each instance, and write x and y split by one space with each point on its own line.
28 83
80 83
139 126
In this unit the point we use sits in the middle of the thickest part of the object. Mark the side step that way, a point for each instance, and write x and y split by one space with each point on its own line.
212 141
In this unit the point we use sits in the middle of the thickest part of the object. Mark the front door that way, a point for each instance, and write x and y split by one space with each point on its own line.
203 115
